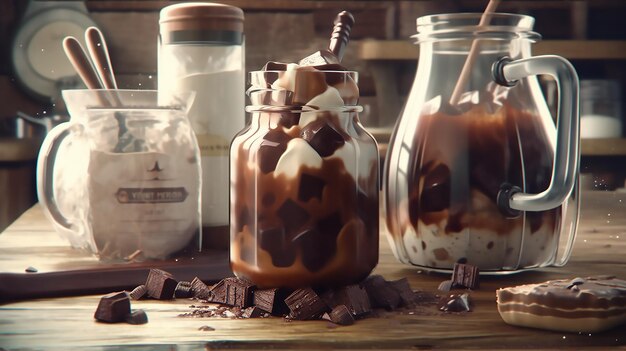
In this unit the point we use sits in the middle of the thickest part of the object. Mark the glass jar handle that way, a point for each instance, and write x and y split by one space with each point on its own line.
507 72
45 174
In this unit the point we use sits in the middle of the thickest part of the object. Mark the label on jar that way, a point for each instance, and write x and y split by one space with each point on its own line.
213 145
142 201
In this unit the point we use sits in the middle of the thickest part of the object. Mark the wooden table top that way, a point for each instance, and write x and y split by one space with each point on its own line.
67 322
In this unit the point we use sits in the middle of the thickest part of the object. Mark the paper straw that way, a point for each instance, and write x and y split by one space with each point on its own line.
473 54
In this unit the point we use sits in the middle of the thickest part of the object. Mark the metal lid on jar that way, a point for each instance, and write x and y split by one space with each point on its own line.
201 23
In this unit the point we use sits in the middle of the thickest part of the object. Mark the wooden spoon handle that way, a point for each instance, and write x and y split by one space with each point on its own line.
341 33
100 56
79 59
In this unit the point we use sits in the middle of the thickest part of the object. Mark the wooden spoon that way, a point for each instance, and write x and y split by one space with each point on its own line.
80 61
100 56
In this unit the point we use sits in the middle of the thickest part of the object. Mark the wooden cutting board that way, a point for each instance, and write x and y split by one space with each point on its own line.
64 271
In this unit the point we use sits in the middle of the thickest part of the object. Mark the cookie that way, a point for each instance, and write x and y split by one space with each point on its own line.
586 305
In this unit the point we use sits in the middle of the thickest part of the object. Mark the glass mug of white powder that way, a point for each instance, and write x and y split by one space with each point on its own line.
122 177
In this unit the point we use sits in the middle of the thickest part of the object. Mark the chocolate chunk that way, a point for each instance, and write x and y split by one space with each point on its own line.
113 307
407 296
272 147
232 291
305 304
266 300
308 83
292 215
138 292
206 328
353 297
315 248
183 290
318 245
160 284
341 315
31 269
320 58
322 137
465 276
445 285
137 317
274 241
199 289
310 187
381 293
455 303
252 312
436 192
331 225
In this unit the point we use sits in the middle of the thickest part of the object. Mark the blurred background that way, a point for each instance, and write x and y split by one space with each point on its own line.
33 69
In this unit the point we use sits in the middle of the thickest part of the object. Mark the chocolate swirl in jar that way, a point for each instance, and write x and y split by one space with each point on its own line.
304 177
460 162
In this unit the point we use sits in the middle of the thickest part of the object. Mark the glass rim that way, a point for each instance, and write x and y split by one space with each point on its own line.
305 71
422 20
304 109
455 26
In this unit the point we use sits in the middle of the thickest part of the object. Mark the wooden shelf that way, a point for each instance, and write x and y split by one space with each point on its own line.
18 150
571 49
603 147
588 147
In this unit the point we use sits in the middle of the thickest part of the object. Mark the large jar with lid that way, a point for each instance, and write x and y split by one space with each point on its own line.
201 50
304 183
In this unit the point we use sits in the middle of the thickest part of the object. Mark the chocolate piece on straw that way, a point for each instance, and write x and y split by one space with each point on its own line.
320 58
341 33
473 53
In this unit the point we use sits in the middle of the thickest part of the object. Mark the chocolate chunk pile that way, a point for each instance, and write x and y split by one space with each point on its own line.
239 298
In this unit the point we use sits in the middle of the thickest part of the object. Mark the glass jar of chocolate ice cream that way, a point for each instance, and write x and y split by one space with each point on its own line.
304 182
